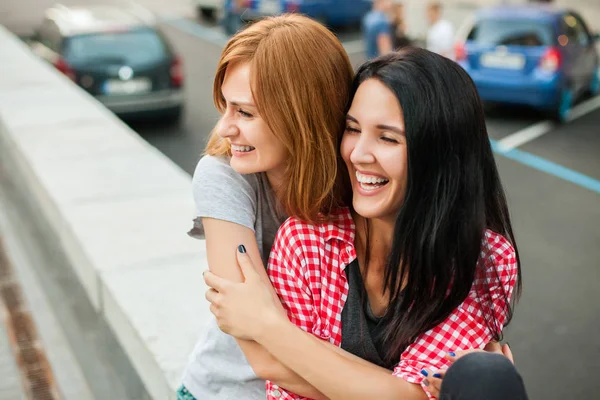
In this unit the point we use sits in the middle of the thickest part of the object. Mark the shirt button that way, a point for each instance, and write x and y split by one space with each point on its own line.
276 393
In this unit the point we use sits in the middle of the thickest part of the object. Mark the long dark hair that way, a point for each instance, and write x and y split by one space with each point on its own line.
453 195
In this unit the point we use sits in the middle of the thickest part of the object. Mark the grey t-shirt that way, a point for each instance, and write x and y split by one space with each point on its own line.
217 368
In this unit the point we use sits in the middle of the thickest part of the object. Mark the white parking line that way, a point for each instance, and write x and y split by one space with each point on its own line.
525 135
584 108
534 131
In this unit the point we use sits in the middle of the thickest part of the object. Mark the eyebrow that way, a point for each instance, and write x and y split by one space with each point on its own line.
239 103
242 103
380 126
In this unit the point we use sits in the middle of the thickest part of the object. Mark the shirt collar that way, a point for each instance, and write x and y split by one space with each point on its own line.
340 227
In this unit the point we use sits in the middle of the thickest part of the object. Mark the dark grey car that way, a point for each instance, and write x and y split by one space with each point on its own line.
117 56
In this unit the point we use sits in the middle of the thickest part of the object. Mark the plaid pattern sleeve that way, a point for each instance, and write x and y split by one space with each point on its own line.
466 327
306 269
291 268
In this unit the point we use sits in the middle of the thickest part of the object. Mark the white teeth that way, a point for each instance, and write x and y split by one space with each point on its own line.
370 179
369 187
241 148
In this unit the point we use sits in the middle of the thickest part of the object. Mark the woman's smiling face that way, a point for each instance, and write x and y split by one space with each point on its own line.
374 150
254 147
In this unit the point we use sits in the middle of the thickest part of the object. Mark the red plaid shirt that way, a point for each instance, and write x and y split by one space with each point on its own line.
306 267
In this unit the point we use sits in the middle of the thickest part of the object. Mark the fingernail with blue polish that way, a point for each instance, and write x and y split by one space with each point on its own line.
425 382
242 248
437 375
424 372
453 354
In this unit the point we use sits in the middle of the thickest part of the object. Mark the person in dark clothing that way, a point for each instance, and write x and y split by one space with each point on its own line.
476 374
232 19
483 376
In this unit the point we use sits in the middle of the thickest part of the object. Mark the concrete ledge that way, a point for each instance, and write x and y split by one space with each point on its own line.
118 207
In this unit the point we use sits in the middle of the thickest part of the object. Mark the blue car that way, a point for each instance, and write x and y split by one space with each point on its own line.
330 12
537 56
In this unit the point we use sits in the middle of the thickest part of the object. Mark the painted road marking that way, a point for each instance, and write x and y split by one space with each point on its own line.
584 108
534 131
523 136
548 167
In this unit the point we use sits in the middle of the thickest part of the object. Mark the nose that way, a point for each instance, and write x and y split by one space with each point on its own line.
227 126
362 152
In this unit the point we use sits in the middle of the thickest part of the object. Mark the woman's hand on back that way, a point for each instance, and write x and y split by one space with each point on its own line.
245 309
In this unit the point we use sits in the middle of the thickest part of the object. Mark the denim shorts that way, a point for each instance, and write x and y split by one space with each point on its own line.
183 394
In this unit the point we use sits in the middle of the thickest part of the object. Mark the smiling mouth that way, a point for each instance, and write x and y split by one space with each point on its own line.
368 182
242 149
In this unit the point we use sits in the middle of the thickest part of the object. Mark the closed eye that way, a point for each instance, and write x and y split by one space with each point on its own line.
351 129
244 113
389 140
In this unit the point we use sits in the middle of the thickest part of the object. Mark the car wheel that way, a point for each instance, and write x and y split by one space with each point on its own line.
565 105
595 83
208 14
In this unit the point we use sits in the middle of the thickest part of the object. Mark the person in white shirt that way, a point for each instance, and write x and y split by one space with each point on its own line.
440 36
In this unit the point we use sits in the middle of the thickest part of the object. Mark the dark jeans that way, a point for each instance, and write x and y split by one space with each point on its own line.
482 376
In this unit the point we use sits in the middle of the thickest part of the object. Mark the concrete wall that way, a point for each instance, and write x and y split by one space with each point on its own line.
119 208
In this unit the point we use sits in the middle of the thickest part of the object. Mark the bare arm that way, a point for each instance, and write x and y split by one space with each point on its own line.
335 374
222 239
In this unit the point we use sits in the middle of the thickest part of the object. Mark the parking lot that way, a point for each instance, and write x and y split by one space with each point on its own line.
551 174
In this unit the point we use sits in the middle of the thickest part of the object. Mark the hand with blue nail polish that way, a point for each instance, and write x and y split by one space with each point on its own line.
491 347
434 382
245 309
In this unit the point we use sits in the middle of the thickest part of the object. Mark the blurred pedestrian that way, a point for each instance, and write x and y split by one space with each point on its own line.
440 36
377 29
232 20
399 26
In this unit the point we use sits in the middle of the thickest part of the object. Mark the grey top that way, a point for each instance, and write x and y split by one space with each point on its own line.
361 329
217 368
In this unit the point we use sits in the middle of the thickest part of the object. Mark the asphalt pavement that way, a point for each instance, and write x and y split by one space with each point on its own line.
553 186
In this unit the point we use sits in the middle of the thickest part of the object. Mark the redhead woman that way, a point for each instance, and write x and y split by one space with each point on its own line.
424 264
282 86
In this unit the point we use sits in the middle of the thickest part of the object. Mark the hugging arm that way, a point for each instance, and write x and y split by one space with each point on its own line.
222 238
226 203
333 371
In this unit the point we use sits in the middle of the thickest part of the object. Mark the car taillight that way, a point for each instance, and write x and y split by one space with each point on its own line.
61 65
460 51
292 7
176 72
551 60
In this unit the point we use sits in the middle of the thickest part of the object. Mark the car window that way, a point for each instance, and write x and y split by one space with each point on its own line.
511 32
135 47
575 30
